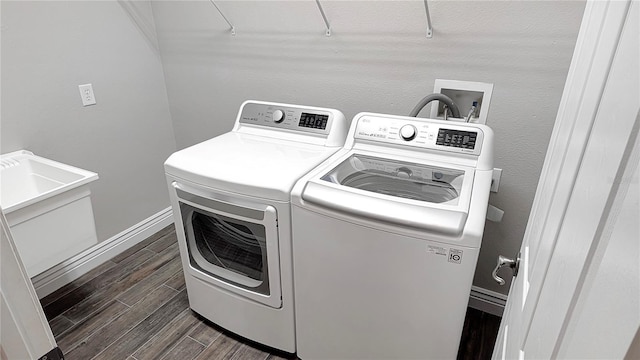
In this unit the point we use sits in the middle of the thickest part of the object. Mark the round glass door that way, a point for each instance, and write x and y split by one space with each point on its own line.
229 249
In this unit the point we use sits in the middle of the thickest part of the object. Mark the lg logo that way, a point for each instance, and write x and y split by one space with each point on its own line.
455 256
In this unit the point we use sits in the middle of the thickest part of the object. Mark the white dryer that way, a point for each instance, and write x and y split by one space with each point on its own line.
386 238
230 197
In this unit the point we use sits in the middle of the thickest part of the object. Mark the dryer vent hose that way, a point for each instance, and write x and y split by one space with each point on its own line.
455 112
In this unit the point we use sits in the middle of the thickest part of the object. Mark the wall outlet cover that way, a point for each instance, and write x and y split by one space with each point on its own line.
86 94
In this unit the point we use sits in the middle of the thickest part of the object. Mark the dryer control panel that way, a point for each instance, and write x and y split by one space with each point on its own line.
421 133
309 120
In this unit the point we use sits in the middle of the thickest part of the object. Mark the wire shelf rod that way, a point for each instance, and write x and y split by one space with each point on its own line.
233 29
324 17
429 26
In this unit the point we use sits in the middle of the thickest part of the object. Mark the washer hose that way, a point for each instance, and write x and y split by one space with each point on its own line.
455 112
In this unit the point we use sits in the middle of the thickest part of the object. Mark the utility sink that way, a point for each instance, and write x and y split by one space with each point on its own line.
48 208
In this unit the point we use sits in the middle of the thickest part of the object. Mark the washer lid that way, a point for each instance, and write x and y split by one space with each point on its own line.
424 196
398 178
247 164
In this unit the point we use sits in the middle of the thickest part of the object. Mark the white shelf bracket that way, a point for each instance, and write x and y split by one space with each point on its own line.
233 29
429 26
324 17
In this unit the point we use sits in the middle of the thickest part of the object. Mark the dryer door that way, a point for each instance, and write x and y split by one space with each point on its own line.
230 244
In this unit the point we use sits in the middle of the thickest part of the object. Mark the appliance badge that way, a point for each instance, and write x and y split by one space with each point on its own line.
455 256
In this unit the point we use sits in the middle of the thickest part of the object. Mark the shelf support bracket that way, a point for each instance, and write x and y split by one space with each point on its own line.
429 26
233 29
324 17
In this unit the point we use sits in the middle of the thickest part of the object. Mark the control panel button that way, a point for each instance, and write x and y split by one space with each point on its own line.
278 116
408 132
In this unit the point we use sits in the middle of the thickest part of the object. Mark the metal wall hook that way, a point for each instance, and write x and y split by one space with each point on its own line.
233 29
324 17
429 26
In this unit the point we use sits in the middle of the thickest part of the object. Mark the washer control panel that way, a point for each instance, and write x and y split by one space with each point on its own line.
285 117
456 138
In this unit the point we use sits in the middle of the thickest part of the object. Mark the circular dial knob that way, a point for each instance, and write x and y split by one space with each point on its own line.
408 132
278 116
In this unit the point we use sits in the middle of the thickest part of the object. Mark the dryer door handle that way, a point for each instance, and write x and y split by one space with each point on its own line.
217 202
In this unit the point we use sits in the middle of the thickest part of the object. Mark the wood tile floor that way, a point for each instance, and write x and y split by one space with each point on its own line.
135 307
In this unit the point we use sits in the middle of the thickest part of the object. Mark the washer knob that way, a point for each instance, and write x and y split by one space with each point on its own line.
408 132
278 116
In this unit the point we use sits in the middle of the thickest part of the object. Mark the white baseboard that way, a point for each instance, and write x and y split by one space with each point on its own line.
71 269
488 301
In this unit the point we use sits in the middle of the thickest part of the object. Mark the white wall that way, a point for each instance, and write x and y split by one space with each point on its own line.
48 49
379 59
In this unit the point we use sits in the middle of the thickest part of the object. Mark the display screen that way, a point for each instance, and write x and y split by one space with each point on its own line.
314 121
457 138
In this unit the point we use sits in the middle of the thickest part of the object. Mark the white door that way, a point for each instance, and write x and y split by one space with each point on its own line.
24 331
582 235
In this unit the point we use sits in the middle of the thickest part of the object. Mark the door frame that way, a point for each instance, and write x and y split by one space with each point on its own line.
25 331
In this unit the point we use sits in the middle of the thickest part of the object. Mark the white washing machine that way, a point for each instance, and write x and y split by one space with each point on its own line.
386 238
231 202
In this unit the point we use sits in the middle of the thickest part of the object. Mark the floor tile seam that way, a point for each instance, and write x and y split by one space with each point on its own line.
173 347
235 355
137 244
156 288
112 319
166 230
87 316
173 250
199 342
154 257
128 306
81 284
133 327
176 261
160 237
122 335
121 267
65 331
170 287
127 273
157 334
163 237
171 277
124 262
235 347
82 300
114 281
205 345
117 297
